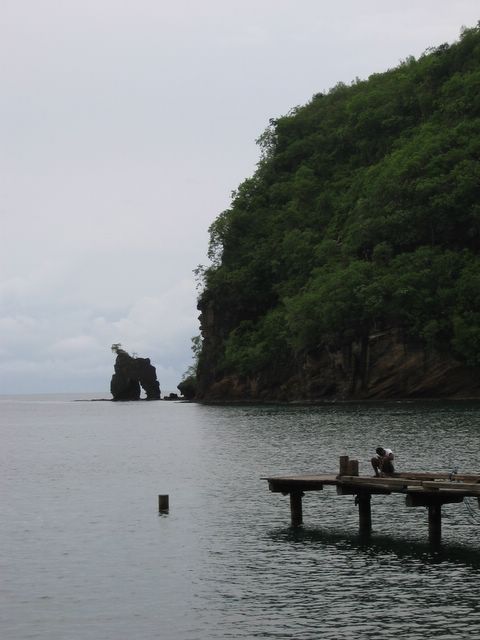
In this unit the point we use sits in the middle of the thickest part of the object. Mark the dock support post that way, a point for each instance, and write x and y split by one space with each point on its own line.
365 513
353 467
434 523
343 470
296 508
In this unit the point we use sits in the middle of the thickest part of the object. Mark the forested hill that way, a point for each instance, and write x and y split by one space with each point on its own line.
348 265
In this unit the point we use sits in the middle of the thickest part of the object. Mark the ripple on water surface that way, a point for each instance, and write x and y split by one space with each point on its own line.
88 557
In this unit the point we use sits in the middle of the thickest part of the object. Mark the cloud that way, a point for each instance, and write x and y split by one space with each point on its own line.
61 342
74 346
125 126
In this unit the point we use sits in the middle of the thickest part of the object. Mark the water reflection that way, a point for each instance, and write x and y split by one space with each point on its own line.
398 585
374 544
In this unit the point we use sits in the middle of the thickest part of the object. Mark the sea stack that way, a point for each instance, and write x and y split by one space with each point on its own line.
131 375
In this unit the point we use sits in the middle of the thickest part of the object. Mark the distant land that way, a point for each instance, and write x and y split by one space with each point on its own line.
347 266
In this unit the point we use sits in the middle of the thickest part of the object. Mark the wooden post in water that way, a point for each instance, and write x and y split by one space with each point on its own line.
364 501
163 503
296 508
435 523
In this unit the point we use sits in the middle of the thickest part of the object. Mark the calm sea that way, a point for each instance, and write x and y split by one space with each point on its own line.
85 555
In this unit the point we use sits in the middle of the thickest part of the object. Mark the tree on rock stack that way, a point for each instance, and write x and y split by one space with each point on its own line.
132 374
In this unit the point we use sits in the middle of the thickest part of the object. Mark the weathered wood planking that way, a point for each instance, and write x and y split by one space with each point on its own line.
397 484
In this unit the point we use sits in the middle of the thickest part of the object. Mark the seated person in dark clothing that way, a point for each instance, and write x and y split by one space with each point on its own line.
382 463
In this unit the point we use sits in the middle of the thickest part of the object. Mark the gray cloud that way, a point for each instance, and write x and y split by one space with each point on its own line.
125 126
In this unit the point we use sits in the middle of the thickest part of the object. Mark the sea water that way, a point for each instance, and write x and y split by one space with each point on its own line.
85 555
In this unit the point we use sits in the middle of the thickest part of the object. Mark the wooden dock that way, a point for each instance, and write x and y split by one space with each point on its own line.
431 490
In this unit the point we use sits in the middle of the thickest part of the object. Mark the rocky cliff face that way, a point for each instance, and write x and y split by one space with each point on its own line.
132 374
382 366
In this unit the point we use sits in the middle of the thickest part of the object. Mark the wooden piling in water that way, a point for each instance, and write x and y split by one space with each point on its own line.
364 502
163 503
435 523
296 508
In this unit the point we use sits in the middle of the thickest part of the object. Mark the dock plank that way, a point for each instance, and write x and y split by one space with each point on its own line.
416 475
453 486
425 483
387 480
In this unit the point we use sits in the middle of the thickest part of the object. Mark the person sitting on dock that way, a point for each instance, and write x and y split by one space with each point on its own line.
382 463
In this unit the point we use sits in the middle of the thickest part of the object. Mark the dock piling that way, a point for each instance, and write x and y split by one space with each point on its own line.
163 504
353 467
364 501
343 470
296 508
435 523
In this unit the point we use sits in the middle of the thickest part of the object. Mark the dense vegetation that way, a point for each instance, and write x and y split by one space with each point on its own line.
364 213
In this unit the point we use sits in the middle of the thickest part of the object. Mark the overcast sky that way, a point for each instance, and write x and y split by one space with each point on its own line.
125 125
